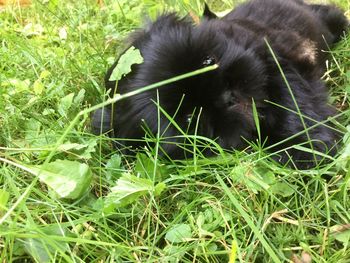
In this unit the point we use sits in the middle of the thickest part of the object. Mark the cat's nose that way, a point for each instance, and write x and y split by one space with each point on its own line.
229 98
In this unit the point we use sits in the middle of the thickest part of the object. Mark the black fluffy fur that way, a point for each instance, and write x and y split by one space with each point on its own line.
222 99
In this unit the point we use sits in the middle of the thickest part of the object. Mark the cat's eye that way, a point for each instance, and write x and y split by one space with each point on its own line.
209 61
189 118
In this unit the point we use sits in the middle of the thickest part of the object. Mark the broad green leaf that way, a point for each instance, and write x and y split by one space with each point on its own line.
243 174
130 57
18 248
40 250
266 175
341 233
68 179
343 160
104 206
256 178
129 188
347 74
159 188
19 85
212 247
179 233
174 253
37 249
346 138
113 165
91 148
71 146
4 197
282 189
79 98
48 111
65 104
37 136
44 74
88 201
212 219
347 88
144 167
38 87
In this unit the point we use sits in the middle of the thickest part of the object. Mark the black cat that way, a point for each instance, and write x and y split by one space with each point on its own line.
218 104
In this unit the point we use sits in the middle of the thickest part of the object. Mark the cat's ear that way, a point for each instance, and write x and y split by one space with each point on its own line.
207 13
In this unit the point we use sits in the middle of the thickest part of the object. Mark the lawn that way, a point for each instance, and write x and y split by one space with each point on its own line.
68 196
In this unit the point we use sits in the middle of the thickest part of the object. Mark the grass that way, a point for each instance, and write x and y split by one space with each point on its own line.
239 205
